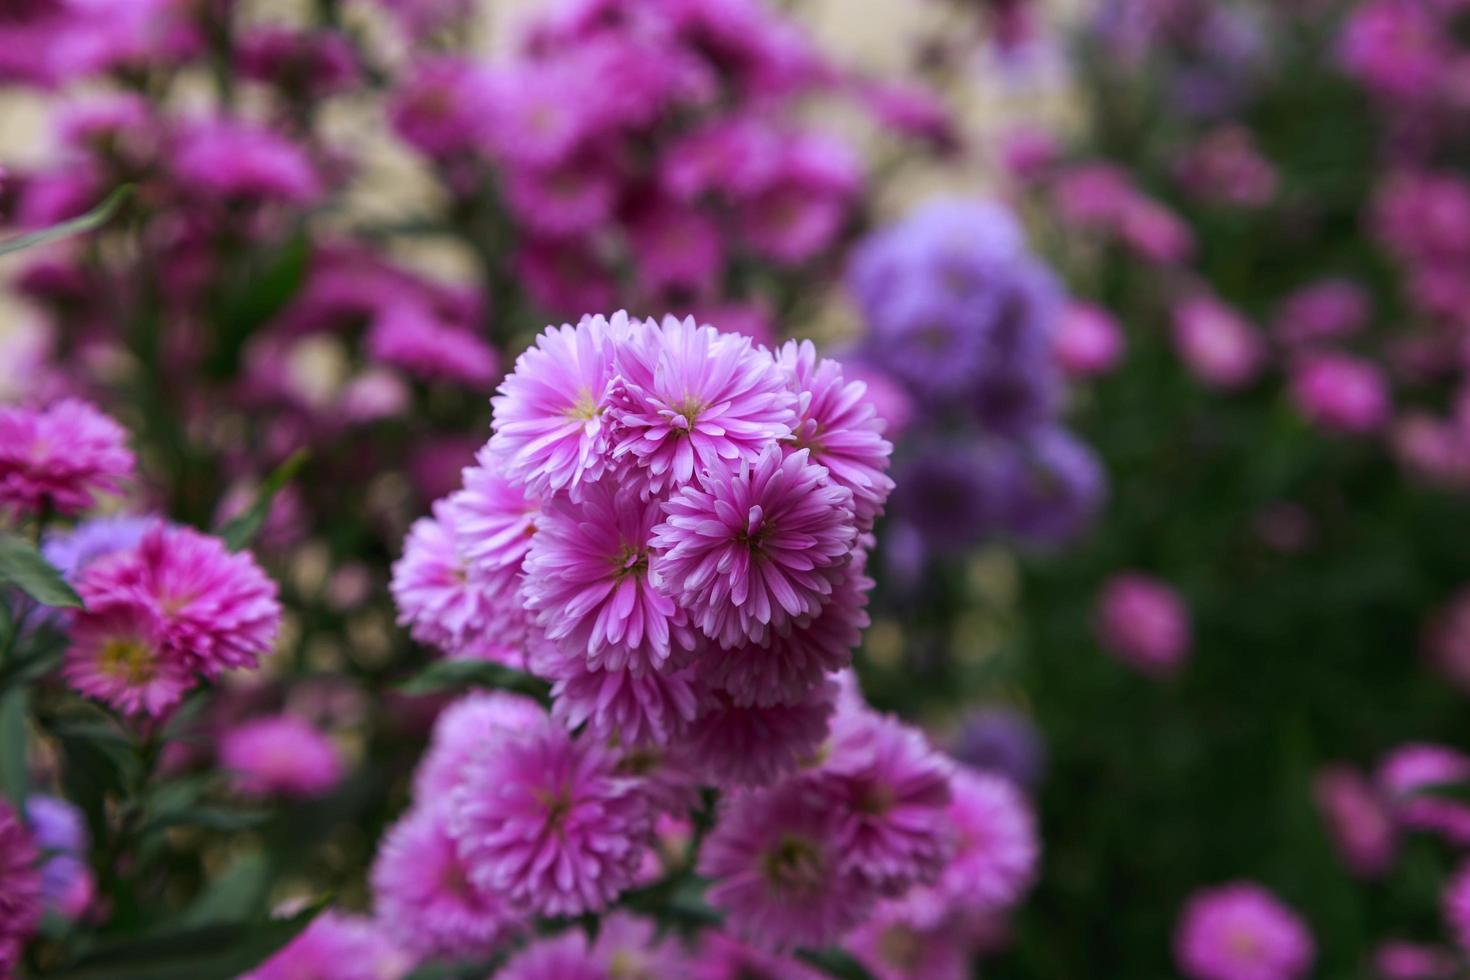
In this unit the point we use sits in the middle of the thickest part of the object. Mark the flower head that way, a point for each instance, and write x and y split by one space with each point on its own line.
461 731
118 655
20 888
1143 621
414 338
339 946
749 745
563 957
282 755
239 162
70 552
60 457
637 707
1240 931
494 517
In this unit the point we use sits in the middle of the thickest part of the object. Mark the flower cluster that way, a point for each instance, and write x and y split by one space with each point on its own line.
20 888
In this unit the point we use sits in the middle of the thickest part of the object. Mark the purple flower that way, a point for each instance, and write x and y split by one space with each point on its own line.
460 732
242 163
339 946
954 493
1240 931
755 547
61 457
70 552
282 755
20 889
1057 489
753 746
545 821
637 707
563 957
1003 741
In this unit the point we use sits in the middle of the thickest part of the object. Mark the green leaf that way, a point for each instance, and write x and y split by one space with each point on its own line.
14 777
230 819
239 893
97 761
451 675
211 952
835 963
240 531
22 566
95 218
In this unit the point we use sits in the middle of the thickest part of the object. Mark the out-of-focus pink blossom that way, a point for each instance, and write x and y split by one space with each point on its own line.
1340 392
1144 622
1216 343
1089 342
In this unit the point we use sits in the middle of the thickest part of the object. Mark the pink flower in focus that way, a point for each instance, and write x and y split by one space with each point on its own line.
60 457
1089 342
1216 343
283 755
1340 392
1143 621
494 517
636 707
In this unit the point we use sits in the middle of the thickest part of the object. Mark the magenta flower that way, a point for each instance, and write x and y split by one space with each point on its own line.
1341 393
754 746
776 869
894 947
1240 931
891 789
493 517
756 547
996 846
461 730
339 946
549 427
692 397
280 756
60 457
1089 341
720 956
573 199
1216 343
1143 621
647 707
423 895
564 957
841 427
786 666
20 889
1455 903
1357 818
218 611
412 337
239 162
438 108
117 655
546 821
630 946
1327 309
588 585
677 248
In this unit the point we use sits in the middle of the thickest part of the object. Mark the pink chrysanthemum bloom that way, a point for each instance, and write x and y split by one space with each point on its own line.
444 602
894 947
549 423
1455 903
410 336
60 457
117 655
754 746
691 398
20 888
648 707
564 957
424 898
241 162
841 427
1240 931
337 946
283 755
1357 819
720 956
494 517
461 731
546 820
756 547
891 789
588 585
631 947
776 869
788 664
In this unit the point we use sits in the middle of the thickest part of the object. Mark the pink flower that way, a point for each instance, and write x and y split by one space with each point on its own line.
776 869
20 889
439 108
676 247
840 426
306 64
892 946
1358 820
460 732
410 336
1240 931
1456 905
216 610
1341 392
633 947
1143 621
719 956
1396 960
891 789
241 162
117 655
1399 51
692 396
564 957
802 211
1411 770
587 581
755 547
338 946
574 198
996 850
545 820
1226 167
282 756
1216 343
1328 309
60 457
537 112
1089 342
637 707
549 427
738 157
494 517
424 898
753 746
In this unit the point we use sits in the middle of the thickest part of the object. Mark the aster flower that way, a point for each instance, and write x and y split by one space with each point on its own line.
217 610
1357 818
545 820
1002 741
588 586
1240 931
754 746
549 426
1057 490
20 889
894 947
56 825
60 457
493 516
563 957
756 547
240 162
840 427
423 896
635 707
891 790
118 655
461 731
339 946
720 956
788 664
282 755
691 398
70 552
630 946
953 493
1341 393
1089 341
409 336
1143 621
776 870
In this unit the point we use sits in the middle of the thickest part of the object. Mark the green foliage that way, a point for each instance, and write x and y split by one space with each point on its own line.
21 565
92 220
